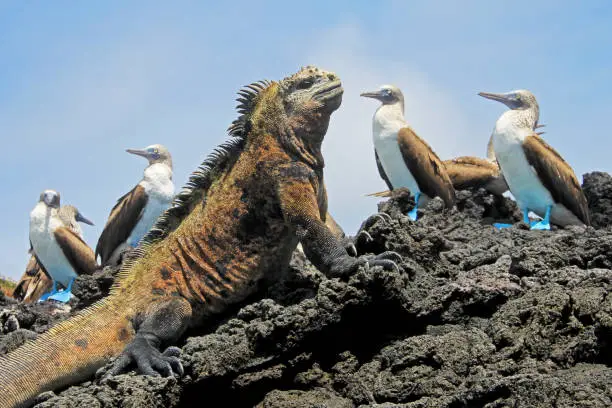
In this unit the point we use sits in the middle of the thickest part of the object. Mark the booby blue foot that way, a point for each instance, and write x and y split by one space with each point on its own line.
65 295
545 223
45 296
500 225
526 217
412 214
540 226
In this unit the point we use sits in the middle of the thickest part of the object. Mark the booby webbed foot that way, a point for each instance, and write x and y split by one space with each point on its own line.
412 214
541 225
46 296
148 359
544 224
526 217
64 295
500 225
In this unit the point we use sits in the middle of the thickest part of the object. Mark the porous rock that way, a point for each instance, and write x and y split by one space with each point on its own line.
475 317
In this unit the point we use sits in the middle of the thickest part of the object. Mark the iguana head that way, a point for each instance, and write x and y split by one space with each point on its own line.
296 108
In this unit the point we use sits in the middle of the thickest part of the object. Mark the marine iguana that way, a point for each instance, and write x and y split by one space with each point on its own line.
236 223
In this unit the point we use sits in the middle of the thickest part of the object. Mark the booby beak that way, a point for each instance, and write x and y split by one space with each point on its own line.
503 98
79 217
375 95
138 152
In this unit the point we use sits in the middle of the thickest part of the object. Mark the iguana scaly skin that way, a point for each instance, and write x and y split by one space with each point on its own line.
236 223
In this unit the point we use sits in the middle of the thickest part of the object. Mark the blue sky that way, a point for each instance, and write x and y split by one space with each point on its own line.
82 81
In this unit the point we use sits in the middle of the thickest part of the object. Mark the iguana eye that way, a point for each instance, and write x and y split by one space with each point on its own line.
305 84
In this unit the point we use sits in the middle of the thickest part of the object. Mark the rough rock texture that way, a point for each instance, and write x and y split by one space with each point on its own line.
476 317
598 189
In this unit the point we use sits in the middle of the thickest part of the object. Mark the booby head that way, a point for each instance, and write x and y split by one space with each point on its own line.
517 100
387 94
72 212
155 153
51 198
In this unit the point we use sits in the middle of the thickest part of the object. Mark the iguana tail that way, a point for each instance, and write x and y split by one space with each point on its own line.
66 354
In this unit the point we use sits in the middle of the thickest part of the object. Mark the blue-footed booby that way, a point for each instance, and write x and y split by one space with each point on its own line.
57 248
403 158
35 281
537 176
136 212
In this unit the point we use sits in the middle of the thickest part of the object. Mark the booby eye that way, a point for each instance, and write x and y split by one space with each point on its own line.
386 92
518 97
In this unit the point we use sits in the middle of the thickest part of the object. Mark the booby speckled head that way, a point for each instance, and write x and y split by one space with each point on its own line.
387 94
51 198
154 153
69 214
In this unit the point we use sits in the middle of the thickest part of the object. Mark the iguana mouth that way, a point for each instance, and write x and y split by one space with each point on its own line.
330 92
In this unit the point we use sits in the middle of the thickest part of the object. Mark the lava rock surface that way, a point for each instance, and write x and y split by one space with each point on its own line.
475 317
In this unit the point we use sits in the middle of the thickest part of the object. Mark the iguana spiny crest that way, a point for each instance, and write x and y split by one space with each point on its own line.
297 108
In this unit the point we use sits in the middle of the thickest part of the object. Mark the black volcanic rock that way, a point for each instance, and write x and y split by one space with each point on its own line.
475 317
597 187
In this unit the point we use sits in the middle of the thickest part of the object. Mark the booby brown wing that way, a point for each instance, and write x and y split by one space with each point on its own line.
557 176
32 268
425 166
33 283
122 219
470 172
78 253
381 171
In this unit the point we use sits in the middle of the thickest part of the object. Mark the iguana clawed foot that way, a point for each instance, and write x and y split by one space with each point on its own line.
148 359
346 266
363 236
349 246
388 260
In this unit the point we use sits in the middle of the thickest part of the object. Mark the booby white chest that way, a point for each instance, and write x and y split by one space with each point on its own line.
386 126
520 176
43 222
158 186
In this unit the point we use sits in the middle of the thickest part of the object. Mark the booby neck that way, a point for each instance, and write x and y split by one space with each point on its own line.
156 171
42 211
389 118
157 180
518 120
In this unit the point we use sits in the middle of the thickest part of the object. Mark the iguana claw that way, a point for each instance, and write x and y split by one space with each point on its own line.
366 234
350 246
387 259
148 360
371 220
363 236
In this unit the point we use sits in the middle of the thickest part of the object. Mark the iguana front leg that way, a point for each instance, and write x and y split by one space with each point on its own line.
337 230
321 246
163 324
